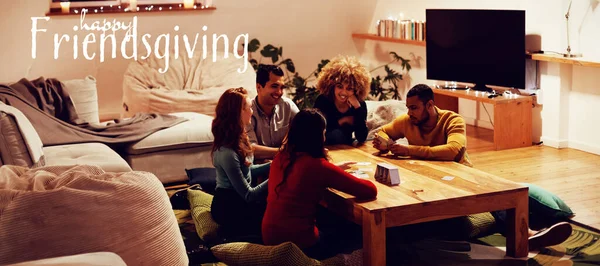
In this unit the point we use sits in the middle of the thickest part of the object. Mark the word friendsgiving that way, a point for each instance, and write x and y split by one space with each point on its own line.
103 32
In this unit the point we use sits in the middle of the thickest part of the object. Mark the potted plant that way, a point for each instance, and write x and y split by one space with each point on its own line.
304 95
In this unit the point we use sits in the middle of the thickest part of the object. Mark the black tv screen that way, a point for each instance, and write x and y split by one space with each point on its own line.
484 47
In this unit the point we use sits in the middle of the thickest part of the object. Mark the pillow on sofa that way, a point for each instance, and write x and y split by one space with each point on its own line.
84 95
243 253
543 202
206 227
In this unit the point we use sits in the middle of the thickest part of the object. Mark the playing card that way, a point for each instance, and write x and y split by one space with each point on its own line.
385 142
359 174
363 163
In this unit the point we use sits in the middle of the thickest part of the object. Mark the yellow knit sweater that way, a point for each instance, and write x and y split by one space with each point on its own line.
446 142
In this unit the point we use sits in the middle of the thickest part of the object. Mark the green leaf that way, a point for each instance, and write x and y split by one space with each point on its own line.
280 52
321 65
269 51
253 45
392 75
275 58
254 64
396 56
406 65
289 65
375 84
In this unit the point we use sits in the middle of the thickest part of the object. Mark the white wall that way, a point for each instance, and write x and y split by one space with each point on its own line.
308 31
569 94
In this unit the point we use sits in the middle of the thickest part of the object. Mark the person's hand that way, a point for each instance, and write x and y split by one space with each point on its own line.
346 120
377 144
344 165
399 149
353 102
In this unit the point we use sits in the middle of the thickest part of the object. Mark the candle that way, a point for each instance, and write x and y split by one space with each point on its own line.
188 3
65 7
132 5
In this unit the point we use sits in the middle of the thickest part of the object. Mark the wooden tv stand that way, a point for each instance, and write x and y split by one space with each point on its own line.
512 114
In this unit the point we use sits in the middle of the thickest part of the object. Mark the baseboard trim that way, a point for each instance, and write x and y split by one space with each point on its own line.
559 144
478 123
584 147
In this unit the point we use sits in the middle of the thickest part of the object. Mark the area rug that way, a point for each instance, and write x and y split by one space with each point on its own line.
581 248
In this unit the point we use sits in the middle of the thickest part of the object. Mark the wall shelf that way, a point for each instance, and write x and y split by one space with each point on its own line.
122 9
367 36
578 61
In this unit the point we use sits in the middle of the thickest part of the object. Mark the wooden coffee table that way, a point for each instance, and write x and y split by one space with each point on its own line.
449 190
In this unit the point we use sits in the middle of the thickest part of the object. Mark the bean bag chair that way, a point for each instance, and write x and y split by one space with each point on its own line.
189 84
59 211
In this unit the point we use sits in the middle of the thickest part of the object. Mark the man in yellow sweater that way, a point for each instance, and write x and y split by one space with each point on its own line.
437 134
432 133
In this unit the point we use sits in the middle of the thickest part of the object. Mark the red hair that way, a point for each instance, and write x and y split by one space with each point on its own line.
227 127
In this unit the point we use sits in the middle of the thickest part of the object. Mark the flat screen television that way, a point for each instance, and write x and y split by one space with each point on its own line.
484 47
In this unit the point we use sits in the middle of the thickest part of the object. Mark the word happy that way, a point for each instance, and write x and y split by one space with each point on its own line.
104 32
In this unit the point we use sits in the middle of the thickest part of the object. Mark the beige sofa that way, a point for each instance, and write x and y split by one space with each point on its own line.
165 153
21 145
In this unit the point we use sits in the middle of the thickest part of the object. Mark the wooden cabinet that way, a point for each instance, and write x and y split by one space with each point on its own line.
512 114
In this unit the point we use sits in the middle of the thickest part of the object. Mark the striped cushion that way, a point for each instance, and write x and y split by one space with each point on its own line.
206 227
64 210
243 253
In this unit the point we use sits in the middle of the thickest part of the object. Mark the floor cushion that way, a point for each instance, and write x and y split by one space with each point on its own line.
545 203
206 227
244 253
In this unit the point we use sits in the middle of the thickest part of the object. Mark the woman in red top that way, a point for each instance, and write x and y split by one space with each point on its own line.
298 178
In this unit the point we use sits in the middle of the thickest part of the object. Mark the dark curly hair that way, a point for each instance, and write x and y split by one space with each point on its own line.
344 69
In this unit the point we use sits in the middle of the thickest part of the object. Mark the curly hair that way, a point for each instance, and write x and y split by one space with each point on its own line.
227 127
344 69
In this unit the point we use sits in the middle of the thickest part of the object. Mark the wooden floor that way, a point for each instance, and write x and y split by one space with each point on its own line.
571 174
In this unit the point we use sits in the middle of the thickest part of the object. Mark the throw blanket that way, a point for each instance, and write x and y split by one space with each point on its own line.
50 110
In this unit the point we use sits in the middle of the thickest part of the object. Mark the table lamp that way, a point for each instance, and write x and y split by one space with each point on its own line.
569 54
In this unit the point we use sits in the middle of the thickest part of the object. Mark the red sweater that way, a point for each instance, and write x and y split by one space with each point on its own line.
290 214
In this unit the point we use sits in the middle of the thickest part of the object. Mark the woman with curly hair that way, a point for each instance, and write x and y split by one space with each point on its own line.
343 85
237 206
299 177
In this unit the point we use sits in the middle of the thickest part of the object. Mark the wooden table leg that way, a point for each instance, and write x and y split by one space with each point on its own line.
517 236
373 238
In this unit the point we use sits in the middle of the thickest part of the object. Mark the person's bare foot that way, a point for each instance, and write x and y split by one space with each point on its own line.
550 236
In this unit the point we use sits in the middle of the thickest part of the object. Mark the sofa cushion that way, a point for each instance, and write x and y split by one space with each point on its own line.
13 149
243 253
63 210
195 132
91 153
169 165
84 95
